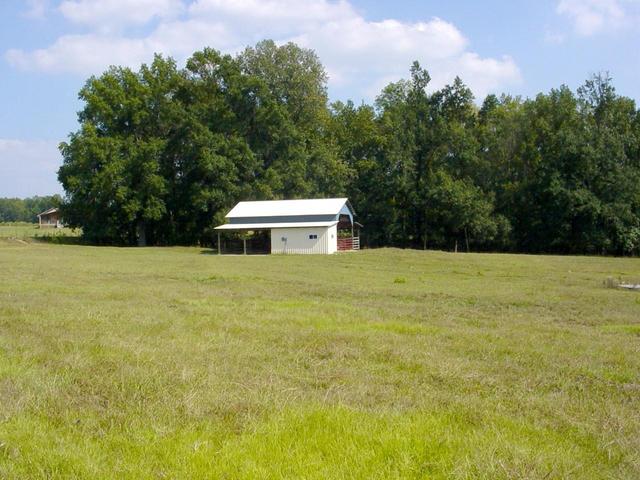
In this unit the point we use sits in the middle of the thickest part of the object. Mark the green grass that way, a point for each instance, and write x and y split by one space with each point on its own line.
173 363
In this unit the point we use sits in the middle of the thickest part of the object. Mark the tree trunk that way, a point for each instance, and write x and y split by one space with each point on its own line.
466 238
455 247
142 233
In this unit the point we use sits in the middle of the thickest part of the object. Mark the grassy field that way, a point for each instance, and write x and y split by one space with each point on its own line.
175 363
23 230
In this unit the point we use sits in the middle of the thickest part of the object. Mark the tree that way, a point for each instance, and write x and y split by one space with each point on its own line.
457 207
358 140
302 160
112 166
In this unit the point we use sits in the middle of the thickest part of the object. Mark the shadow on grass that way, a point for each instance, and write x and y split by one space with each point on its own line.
61 240
214 252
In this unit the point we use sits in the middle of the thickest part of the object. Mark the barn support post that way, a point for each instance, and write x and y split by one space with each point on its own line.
218 243
244 246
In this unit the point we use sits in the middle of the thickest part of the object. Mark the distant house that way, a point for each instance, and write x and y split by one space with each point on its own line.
312 226
50 218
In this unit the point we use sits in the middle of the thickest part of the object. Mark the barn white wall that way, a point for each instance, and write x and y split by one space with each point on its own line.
332 239
298 241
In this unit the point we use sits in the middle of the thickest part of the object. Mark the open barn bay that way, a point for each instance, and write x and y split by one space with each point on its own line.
175 363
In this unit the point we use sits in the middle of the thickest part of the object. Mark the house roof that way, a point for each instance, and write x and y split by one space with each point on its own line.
269 225
282 208
47 212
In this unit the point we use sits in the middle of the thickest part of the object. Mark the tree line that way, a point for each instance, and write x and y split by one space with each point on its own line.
163 153
26 209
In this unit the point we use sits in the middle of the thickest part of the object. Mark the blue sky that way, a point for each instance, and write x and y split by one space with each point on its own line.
49 47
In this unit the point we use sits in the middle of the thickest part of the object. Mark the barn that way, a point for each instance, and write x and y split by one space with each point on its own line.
309 226
50 218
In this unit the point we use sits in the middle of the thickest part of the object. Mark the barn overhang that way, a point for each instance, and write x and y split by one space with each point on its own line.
284 219
272 225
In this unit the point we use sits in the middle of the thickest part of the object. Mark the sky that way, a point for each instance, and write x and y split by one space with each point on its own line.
48 48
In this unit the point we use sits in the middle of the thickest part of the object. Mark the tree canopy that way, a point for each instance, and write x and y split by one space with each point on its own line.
163 152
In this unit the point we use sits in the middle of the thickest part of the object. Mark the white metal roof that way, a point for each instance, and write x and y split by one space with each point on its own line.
47 212
279 208
263 226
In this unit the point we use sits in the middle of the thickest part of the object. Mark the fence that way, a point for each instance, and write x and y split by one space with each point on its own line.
348 243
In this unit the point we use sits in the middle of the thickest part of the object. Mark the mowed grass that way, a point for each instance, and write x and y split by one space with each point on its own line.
174 363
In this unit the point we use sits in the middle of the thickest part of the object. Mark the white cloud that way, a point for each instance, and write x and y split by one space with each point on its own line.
37 9
28 167
357 53
104 14
81 54
92 53
594 16
287 13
